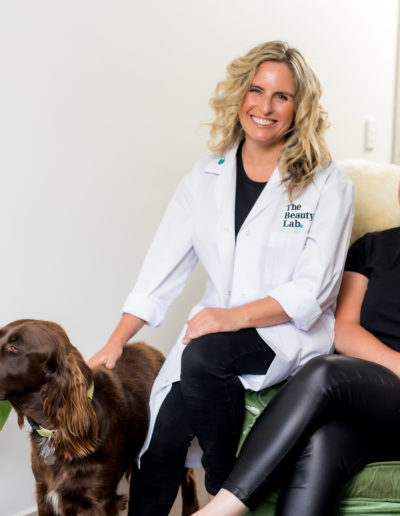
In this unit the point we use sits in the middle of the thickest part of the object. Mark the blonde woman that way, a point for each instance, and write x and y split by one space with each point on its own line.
269 216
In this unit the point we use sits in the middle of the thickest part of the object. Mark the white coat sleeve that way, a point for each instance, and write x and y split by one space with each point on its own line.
169 261
316 279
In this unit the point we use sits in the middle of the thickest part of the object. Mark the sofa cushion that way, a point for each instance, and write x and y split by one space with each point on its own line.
376 200
375 490
377 481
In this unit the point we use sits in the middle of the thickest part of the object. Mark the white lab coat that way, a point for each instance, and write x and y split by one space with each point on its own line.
293 252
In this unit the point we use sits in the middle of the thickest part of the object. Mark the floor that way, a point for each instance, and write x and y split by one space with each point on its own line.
201 493
177 507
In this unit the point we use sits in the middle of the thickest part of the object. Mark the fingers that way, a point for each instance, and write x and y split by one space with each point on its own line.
209 320
95 361
100 359
201 324
189 335
107 356
109 363
92 362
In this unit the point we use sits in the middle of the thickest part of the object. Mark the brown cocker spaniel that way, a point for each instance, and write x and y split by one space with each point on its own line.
87 426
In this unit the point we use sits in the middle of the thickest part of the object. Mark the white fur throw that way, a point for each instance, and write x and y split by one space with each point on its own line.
376 195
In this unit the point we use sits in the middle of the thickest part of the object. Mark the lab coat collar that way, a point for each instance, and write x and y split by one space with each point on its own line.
221 164
273 189
225 167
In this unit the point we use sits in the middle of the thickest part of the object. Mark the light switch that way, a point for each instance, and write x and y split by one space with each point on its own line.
370 133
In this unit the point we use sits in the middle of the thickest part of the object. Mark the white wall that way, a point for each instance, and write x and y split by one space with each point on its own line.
100 110
396 125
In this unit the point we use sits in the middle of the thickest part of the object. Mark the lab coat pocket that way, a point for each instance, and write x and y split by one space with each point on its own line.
285 239
283 251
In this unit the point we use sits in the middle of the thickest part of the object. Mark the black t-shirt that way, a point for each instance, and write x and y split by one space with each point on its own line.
247 192
377 256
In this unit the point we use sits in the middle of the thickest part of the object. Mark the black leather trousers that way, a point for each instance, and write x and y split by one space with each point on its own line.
332 418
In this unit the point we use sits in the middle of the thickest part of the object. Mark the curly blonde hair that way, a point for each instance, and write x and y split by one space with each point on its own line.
305 149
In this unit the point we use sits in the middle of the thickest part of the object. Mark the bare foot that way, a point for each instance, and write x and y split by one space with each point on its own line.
223 504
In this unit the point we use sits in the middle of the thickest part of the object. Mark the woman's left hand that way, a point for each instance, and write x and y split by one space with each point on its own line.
211 320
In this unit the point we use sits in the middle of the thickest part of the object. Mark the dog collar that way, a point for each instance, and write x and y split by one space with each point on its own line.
90 391
44 432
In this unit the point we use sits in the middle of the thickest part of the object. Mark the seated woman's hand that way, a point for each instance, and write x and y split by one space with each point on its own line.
210 320
107 356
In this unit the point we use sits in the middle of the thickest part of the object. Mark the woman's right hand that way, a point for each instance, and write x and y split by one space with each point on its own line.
107 356
111 352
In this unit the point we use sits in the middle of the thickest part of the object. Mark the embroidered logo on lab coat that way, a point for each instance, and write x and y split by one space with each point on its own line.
295 216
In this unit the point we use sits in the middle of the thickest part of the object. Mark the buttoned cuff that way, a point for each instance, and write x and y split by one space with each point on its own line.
150 310
299 304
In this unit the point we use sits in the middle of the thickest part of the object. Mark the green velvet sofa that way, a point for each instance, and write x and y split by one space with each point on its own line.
373 491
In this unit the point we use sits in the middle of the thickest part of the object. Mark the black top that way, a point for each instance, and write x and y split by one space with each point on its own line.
377 256
247 191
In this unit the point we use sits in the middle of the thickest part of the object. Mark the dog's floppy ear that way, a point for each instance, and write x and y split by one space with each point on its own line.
65 400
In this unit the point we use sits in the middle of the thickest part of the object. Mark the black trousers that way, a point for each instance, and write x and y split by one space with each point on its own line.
208 403
332 418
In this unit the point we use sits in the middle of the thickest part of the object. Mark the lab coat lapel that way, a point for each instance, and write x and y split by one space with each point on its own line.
272 190
225 200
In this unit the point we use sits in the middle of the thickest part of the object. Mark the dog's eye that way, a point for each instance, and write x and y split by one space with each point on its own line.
11 348
11 343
